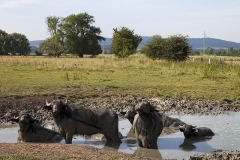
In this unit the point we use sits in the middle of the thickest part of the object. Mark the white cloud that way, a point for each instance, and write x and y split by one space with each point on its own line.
16 3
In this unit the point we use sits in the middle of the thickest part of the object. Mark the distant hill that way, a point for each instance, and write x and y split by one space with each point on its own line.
196 43
35 43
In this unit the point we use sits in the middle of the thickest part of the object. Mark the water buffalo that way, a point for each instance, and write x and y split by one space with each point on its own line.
147 125
50 125
72 120
167 121
30 131
190 131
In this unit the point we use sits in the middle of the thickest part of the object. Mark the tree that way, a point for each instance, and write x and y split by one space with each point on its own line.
173 48
178 48
208 50
81 36
124 42
3 42
52 46
19 44
155 48
55 44
53 24
230 51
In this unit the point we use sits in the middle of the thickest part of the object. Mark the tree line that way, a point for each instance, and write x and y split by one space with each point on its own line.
230 51
76 34
14 43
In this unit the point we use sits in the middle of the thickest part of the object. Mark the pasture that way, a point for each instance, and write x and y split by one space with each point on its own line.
108 75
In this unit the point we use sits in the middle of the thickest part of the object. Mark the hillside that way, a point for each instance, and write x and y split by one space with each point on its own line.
196 43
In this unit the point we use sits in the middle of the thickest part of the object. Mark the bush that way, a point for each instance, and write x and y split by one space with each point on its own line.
173 48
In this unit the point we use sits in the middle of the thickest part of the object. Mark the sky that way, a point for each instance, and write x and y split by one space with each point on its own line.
219 19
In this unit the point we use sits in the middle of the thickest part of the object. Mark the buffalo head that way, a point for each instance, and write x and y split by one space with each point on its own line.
188 130
130 115
145 108
24 121
57 106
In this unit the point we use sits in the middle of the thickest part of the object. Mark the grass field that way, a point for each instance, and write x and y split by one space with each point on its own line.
107 75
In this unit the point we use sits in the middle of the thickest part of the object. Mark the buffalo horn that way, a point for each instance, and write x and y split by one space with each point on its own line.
47 104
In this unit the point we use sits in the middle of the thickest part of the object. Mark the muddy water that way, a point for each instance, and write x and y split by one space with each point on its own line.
226 128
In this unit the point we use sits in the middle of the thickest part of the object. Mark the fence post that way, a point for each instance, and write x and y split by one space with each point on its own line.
209 61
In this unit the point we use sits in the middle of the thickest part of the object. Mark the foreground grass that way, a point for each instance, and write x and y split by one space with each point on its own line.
137 75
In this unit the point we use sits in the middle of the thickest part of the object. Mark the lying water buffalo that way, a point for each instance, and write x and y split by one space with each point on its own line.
190 131
31 132
147 126
73 120
50 125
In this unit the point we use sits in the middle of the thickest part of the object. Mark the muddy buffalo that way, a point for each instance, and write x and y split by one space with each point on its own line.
74 120
167 121
190 131
30 131
147 125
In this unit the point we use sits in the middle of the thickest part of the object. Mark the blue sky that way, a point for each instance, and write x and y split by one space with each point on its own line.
218 18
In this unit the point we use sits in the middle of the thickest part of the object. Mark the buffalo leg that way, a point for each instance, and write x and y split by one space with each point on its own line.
68 138
139 143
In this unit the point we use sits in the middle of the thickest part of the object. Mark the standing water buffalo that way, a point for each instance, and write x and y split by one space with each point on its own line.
190 131
147 125
167 121
29 131
79 120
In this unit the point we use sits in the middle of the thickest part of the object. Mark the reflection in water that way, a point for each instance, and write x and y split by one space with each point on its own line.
188 143
151 153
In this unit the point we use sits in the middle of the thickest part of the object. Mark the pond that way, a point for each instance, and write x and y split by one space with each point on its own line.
172 146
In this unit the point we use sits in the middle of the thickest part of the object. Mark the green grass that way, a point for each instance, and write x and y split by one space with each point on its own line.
107 75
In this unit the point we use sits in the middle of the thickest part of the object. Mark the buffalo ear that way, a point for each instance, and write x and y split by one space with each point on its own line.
181 128
15 120
195 130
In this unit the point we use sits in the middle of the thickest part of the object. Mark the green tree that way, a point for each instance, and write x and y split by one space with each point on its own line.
178 48
53 25
173 48
81 36
52 46
4 47
208 50
155 48
230 51
19 44
55 44
124 42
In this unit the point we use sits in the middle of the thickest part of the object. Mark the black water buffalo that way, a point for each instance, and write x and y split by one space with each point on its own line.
190 131
147 125
72 120
167 121
30 131
50 125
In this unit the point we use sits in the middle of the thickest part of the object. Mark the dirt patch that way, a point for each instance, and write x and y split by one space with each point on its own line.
61 151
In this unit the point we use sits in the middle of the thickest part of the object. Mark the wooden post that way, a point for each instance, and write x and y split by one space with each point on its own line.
209 61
